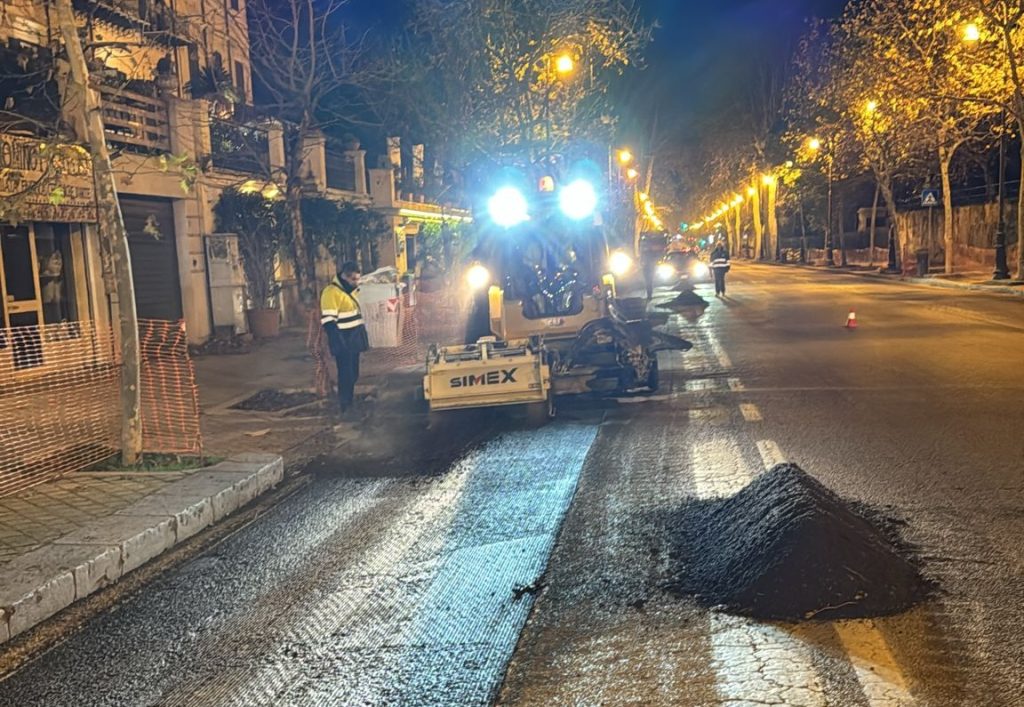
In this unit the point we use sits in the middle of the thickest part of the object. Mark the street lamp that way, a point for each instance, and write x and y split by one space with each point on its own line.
632 173
815 145
564 64
625 156
971 34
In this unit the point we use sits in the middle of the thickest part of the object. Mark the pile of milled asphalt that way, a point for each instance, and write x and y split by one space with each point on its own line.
686 299
787 548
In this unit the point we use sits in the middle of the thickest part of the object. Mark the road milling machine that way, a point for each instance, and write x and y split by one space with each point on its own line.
548 316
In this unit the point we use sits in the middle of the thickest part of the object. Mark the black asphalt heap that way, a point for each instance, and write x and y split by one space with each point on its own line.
786 547
686 302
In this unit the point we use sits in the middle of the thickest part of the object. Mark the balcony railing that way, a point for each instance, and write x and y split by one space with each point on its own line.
135 121
239 148
156 20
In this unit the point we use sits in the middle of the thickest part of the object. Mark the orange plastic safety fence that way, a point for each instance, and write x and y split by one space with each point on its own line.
60 404
170 399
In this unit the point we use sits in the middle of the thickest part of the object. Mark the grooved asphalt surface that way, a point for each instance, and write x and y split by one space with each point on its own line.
411 581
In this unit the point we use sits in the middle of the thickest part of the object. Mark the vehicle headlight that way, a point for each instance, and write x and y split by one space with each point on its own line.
478 277
578 200
508 207
700 270
666 271
619 263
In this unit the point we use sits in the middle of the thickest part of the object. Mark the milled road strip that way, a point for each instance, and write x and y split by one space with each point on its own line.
431 612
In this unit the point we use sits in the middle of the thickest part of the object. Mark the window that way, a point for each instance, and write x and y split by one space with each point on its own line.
235 5
240 79
56 274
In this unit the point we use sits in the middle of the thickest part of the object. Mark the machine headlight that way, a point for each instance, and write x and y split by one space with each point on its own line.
619 263
578 200
666 272
508 207
700 270
478 277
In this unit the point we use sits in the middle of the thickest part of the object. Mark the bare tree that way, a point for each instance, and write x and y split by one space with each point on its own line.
313 76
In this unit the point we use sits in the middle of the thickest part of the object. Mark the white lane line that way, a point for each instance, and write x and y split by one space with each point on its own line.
873 663
754 663
750 412
770 453
736 385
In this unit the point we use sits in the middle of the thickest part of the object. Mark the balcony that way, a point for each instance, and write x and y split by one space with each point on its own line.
156 21
134 121
239 148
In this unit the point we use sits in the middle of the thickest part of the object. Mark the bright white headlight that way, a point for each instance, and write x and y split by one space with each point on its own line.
478 277
619 263
700 270
666 271
508 207
578 200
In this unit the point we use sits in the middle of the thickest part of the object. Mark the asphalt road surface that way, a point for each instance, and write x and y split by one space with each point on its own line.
486 561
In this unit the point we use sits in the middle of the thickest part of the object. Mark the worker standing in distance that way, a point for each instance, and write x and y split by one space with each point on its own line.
343 324
720 266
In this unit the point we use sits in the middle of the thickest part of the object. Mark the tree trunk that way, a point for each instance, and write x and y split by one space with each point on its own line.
300 251
758 227
874 224
890 205
945 158
737 242
773 221
113 236
1020 211
837 222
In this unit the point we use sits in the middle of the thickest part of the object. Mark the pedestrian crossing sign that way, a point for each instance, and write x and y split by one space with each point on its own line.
930 197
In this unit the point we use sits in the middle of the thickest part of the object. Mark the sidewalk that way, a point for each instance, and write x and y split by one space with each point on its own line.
61 541
973 281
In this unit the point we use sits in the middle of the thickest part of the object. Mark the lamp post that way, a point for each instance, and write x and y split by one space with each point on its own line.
1002 271
971 35
815 145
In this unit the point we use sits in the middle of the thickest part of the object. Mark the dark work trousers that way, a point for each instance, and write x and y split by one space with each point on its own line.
719 281
348 374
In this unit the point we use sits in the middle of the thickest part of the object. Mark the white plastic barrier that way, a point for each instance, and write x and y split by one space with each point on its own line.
383 313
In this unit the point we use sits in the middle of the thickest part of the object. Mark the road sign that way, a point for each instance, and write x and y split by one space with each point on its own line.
930 197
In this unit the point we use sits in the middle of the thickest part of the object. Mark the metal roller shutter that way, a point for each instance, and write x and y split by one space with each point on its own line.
154 258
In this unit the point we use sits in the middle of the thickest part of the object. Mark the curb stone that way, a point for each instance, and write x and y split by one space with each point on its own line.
50 578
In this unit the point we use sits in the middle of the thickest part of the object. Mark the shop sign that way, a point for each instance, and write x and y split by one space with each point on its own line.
43 181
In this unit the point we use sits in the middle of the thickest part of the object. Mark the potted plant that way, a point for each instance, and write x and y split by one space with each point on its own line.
259 224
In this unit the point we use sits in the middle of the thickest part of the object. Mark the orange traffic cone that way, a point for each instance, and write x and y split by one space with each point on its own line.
851 320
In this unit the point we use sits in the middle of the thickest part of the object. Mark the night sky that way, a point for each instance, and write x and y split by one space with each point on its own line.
697 65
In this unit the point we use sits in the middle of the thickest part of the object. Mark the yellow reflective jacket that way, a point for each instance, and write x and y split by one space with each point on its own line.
341 318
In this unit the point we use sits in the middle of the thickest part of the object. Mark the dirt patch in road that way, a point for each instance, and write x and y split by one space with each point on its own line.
788 548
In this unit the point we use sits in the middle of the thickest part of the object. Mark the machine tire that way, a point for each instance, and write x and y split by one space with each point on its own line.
653 377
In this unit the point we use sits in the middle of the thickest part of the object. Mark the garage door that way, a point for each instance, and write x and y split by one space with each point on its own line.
150 225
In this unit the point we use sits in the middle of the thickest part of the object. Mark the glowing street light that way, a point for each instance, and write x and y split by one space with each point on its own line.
971 33
564 64
632 173
871 107
768 179
751 192
625 156
813 144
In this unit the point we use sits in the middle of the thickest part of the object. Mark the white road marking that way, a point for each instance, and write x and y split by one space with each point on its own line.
770 453
750 412
874 664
